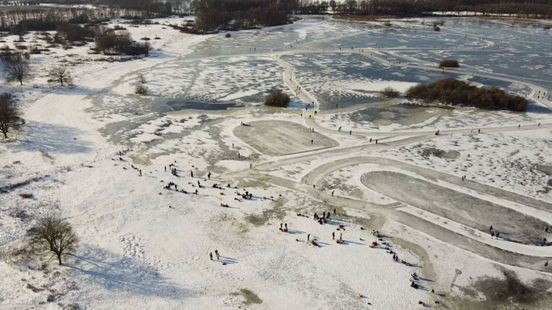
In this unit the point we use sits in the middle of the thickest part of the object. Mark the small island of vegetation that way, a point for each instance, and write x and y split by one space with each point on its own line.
449 63
277 98
453 92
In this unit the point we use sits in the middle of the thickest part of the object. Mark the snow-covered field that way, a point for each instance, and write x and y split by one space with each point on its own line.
100 156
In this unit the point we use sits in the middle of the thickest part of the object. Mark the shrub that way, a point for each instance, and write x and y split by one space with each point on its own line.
277 98
74 33
35 50
142 79
141 89
390 92
112 42
454 92
449 63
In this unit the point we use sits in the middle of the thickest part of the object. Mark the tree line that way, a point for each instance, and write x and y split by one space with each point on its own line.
19 19
211 15
407 8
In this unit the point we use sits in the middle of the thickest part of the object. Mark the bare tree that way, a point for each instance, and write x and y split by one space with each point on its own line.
10 115
57 235
17 67
61 75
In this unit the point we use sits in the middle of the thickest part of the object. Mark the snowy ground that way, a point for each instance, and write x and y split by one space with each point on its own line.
100 156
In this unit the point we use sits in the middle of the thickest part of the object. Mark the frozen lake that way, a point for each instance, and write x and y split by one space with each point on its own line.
339 64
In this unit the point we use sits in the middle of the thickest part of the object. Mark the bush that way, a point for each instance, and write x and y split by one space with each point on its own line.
454 92
277 98
74 33
389 92
449 63
35 50
112 42
141 89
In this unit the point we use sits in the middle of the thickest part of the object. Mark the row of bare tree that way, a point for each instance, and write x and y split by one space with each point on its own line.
516 8
27 18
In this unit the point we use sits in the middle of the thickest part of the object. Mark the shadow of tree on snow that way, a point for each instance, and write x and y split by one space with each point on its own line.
51 138
124 274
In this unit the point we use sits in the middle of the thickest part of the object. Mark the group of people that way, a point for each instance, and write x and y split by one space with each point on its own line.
174 172
173 169
322 219
246 195
494 233
171 184
414 281
541 95
216 254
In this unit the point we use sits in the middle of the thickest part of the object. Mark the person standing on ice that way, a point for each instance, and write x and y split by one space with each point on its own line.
308 237
333 235
209 175
217 254
211 255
